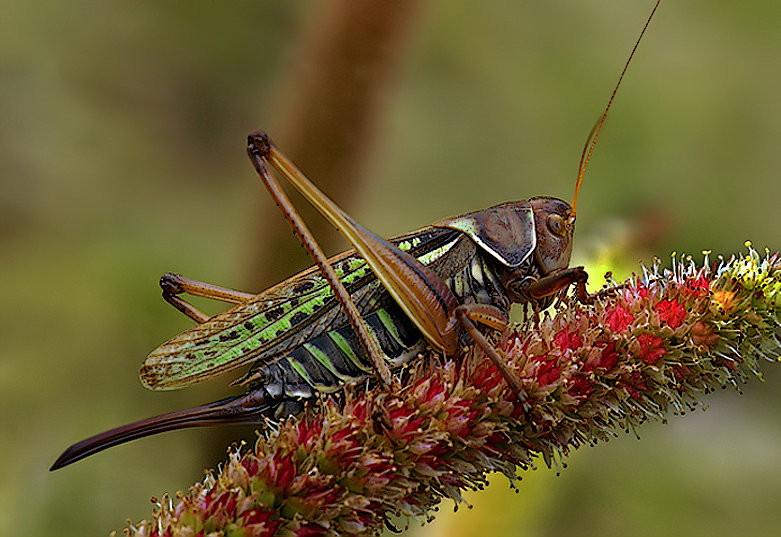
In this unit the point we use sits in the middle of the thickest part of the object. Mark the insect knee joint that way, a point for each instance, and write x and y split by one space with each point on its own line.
171 284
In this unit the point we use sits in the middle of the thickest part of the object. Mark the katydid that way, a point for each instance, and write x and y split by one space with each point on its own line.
357 316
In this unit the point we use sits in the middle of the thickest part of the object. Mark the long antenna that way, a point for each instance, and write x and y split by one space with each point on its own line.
593 136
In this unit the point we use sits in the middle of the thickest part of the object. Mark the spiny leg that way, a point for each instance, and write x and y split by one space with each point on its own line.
553 283
578 276
176 284
609 290
258 149
493 317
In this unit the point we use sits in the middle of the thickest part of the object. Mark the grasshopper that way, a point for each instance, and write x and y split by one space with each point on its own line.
360 314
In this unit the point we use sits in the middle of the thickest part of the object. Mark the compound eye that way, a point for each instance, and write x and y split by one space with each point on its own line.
557 225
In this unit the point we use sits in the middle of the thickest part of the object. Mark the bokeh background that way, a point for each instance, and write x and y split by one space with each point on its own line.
122 156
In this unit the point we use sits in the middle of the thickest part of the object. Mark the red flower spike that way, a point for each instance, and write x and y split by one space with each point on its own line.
635 383
618 318
566 340
640 289
671 312
581 387
548 373
697 287
585 372
602 357
704 335
608 358
651 348
309 530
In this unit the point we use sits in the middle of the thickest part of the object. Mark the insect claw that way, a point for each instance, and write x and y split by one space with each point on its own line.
258 144
607 291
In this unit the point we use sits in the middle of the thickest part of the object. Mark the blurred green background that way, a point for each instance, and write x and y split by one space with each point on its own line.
122 156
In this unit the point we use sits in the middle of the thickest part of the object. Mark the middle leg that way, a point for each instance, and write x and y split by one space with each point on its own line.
176 284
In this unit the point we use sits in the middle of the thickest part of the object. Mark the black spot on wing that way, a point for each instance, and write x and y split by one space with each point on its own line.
229 336
274 314
298 318
303 287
